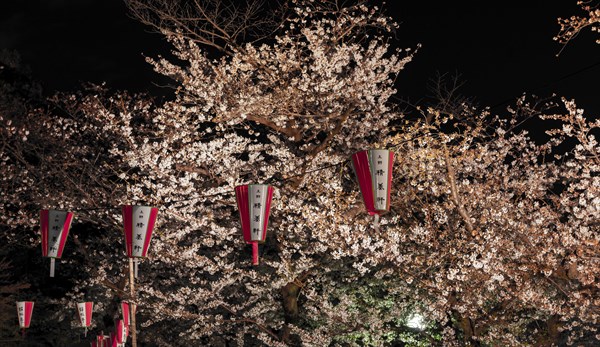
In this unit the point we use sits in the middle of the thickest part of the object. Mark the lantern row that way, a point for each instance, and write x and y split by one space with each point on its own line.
85 311
373 170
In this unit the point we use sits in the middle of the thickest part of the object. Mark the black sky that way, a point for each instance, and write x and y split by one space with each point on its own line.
501 48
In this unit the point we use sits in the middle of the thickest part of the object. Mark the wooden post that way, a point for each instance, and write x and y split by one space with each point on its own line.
132 306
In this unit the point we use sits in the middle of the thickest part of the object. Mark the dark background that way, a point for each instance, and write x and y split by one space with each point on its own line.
500 49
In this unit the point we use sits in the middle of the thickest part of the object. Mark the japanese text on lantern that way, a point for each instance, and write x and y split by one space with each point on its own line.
141 216
379 168
257 195
56 223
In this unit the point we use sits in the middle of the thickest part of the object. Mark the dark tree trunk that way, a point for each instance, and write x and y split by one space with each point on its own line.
289 296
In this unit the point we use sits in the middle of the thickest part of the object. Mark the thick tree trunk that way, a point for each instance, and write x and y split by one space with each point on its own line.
552 324
468 329
551 335
289 296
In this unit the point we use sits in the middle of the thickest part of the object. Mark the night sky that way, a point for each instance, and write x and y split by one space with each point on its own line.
500 49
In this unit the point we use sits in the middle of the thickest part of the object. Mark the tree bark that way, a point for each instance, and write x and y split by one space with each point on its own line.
289 296
552 325
455 195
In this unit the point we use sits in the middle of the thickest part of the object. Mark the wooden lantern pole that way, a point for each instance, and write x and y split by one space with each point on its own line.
133 299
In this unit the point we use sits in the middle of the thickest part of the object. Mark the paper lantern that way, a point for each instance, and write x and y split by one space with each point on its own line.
55 227
121 331
113 340
102 340
373 169
24 312
138 222
85 314
125 313
254 204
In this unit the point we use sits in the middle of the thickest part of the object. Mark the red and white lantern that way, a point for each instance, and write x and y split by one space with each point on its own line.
102 340
24 312
121 331
254 203
113 340
373 169
125 313
138 222
55 229
85 310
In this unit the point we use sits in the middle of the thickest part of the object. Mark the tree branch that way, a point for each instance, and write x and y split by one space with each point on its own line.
455 195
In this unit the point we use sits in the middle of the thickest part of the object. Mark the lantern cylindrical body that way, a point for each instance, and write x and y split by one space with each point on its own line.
121 331
55 227
138 222
85 310
254 204
113 340
125 313
24 312
373 169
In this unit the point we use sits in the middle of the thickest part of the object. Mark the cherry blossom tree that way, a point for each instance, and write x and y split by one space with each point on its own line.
491 238
572 26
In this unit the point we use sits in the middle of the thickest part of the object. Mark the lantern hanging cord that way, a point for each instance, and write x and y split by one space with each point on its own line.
345 161
274 180
102 208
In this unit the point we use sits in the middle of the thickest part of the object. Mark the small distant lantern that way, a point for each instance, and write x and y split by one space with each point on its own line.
85 310
254 203
121 332
138 222
102 340
55 229
113 340
373 169
125 312
24 312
